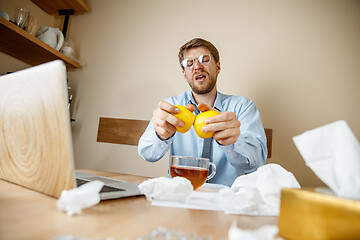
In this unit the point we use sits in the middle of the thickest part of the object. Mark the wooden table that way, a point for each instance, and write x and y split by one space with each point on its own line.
26 214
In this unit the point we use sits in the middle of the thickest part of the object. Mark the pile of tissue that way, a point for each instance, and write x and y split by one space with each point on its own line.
266 232
87 195
257 193
333 154
170 189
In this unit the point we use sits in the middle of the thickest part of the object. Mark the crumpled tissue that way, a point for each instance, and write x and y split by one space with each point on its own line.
87 195
166 189
265 232
333 154
257 193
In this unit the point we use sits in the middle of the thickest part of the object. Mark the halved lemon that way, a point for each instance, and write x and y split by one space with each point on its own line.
200 122
186 116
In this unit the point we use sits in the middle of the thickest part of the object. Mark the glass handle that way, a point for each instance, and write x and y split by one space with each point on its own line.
212 172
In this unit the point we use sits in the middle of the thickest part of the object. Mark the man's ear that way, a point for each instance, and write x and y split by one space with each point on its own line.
218 67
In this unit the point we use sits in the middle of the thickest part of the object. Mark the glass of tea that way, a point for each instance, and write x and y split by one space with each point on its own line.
196 170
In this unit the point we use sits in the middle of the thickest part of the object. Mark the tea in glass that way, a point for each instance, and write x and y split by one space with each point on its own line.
196 170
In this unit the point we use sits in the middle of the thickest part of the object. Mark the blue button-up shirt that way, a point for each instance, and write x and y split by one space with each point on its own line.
244 156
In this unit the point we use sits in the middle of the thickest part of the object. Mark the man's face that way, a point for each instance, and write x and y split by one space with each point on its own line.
201 77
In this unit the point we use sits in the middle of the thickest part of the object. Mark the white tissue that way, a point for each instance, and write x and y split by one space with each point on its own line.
167 189
87 195
333 154
266 232
257 193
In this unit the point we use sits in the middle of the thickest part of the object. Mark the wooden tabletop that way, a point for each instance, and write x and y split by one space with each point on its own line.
26 214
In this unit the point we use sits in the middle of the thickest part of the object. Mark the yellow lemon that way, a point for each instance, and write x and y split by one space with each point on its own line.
200 122
186 116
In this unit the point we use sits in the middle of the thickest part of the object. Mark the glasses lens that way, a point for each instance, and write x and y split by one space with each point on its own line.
204 58
188 62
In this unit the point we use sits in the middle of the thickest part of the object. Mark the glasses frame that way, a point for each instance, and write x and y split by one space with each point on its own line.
200 59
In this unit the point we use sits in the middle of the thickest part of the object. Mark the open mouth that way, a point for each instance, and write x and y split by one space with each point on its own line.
200 77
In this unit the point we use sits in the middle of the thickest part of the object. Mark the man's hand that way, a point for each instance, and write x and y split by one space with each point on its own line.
164 121
225 125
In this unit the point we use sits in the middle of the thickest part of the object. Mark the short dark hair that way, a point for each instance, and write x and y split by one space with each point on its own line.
198 42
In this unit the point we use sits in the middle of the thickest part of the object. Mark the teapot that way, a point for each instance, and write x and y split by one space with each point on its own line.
51 36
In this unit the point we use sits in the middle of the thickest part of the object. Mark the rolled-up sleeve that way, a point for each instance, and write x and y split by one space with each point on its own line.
249 151
151 148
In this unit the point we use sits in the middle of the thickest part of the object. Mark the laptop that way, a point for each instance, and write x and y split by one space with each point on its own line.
35 134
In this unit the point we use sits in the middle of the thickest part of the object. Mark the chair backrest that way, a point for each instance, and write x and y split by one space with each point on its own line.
129 131
121 131
268 133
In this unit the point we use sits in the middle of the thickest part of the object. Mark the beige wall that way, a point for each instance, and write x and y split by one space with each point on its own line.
299 61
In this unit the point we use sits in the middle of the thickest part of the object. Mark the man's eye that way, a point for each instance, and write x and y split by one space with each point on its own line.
206 58
189 62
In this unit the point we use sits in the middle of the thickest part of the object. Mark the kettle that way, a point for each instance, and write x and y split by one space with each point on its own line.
51 36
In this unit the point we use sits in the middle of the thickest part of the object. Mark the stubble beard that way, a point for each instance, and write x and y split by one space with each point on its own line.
203 89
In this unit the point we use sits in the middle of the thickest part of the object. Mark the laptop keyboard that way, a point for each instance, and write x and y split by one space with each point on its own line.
105 188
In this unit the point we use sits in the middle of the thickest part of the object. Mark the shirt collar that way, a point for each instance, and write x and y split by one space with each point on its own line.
189 98
218 102
217 105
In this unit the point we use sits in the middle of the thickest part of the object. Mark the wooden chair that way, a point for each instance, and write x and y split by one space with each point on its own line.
129 131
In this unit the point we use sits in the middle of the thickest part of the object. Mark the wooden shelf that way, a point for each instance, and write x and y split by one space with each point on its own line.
20 44
51 6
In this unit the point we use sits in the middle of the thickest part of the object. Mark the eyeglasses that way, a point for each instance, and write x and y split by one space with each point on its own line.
189 62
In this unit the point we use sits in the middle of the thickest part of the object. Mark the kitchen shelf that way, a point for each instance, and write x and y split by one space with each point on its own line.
20 44
52 6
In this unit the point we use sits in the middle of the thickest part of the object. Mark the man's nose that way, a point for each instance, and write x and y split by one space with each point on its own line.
197 64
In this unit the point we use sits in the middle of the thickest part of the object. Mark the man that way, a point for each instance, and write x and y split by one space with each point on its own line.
239 143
